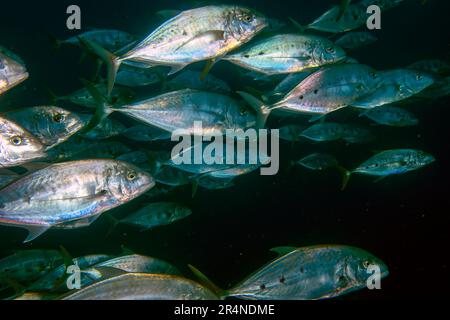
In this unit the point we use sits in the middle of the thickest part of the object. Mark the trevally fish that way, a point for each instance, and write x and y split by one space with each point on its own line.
311 273
206 33
436 66
109 39
325 91
287 53
191 79
391 116
12 73
49 124
18 146
131 76
291 133
143 287
156 215
319 161
393 162
68 192
181 109
29 265
108 128
289 83
54 280
140 264
395 85
145 133
356 40
332 131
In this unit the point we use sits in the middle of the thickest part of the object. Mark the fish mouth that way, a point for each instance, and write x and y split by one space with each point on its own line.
18 79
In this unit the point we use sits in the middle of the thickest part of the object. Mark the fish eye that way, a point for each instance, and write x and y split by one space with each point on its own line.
243 111
131 176
17 141
374 75
366 264
419 77
330 50
248 18
58 118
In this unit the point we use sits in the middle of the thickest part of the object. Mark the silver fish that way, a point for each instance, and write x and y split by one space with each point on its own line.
140 264
287 53
130 76
436 66
51 125
391 116
18 146
144 287
69 192
319 161
191 79
12 73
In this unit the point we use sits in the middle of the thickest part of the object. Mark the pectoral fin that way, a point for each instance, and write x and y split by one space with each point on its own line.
283 250
35 232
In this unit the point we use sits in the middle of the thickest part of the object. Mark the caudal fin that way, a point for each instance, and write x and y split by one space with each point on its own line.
207 283
300 28
112 62
262 111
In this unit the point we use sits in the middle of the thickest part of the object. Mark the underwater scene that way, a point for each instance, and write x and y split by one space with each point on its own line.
209 150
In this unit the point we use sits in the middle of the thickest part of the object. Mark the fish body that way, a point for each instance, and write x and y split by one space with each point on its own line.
190 79
288 53
355 40
140 264
312 273
108 128
138 77
394 86
319 161
391 116
144 287
17 145
68 192
436 66
157 214
49 124
354 17
12 73
180 109
110 39
144 133
394 162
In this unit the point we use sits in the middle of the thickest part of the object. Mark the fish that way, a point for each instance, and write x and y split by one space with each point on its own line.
356 40
202 34
437 66
395 85
191 79
68 192
144 133
309 273
18 146
110 39
12 72
287 53
156 215
319 161
139 264
108 128
143 287
440 89
392 162
289 83
26 266
181 109
391 116
49 124
131 76
173 177
7 176
325 91
332 131
291 133
54 281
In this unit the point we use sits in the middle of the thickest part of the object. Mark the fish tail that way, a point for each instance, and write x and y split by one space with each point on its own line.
113 224
346 175
204 280
262 111
103 109
297 25
112 62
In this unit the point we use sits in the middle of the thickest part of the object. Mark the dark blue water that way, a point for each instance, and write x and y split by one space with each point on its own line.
403 220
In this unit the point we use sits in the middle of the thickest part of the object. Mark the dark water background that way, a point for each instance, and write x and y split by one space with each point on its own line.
404 220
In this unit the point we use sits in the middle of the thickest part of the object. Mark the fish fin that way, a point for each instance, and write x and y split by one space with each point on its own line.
262 111
176 69
126 251
112 62
35 232
103 109
18 288
380 179
204 280
168 14
35 166
194 188
209 65
53 97
342 9
56 43
300 28
318 117
282 251
114 223
346 175
68 260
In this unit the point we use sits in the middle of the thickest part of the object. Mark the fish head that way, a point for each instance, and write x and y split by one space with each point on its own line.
328 53
127 182
17 145
181 212
422 159
55 125
11 73
245 23
418 81
361 265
